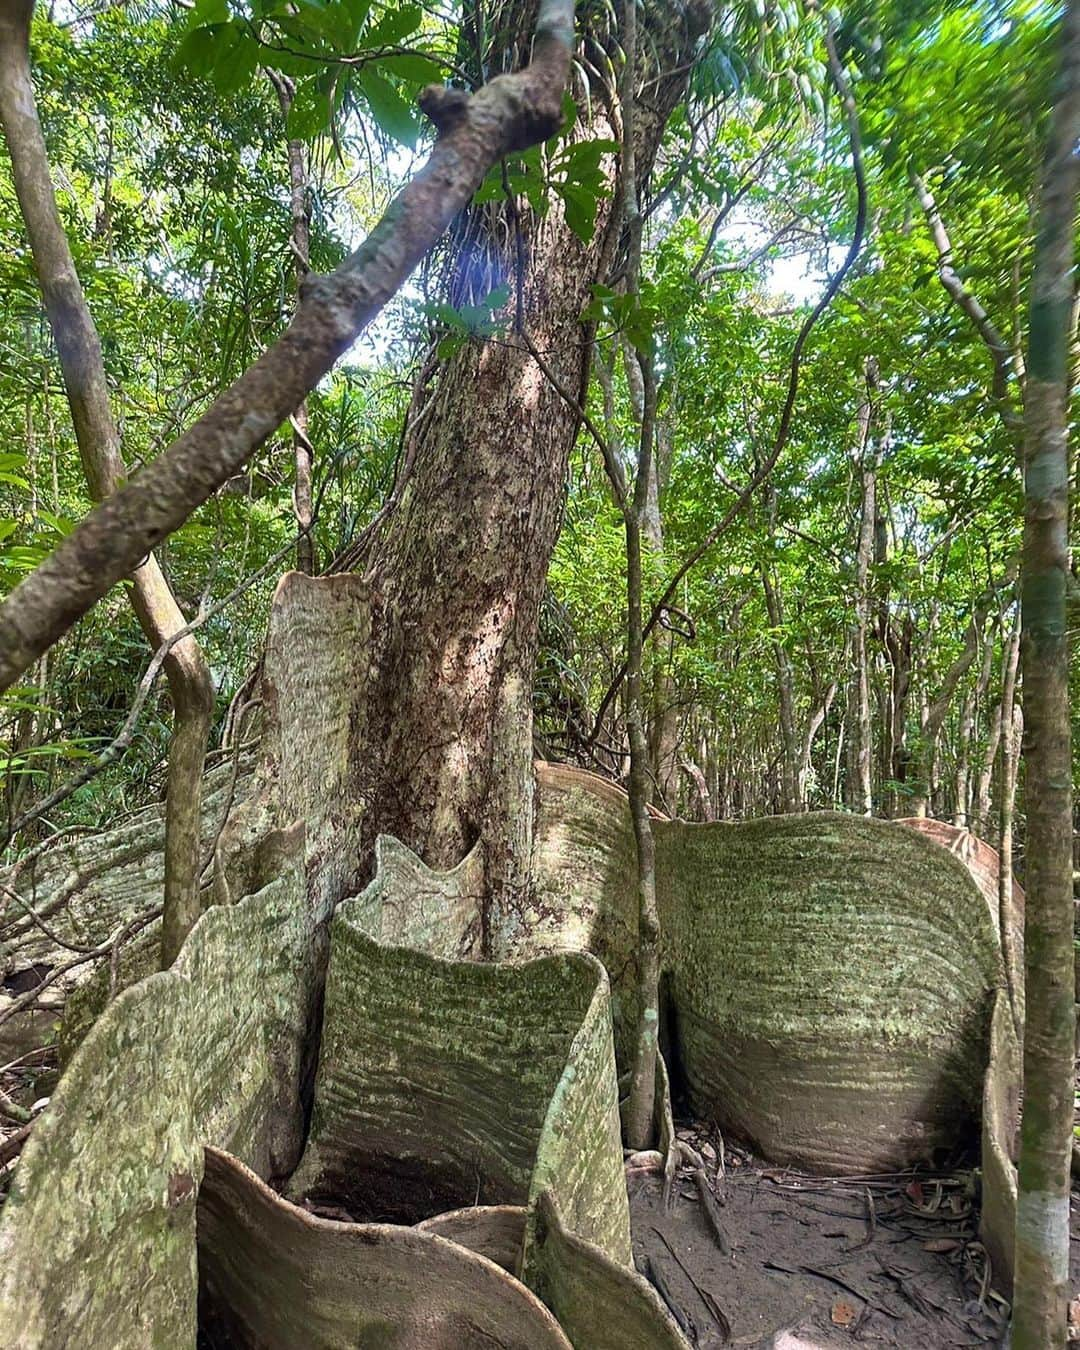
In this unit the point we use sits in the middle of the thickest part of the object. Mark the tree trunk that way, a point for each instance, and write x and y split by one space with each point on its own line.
79 350
1042 1217
815 720
785 693
973 700
981 797
860 725
934 710
459 567
701 786
300 243
1011 726
663 721
474 133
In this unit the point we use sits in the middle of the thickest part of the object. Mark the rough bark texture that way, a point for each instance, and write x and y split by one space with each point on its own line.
500 1082
772 929
79 349
831 977
494 1231
510 113
97 1238
1001 1089
602 1307
212 1053
1011 726
1042 1213
84 889
208 1053
459 570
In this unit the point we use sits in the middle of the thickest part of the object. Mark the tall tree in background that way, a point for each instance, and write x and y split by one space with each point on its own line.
1042 1221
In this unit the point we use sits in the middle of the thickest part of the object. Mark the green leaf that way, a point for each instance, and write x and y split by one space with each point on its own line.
394 25
209 12
394 116
309 115
413 67
197 51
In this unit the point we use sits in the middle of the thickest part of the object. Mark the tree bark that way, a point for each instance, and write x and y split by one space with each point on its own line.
300 244
459 565
815 720
1042 1218
79 350
860 724
973 699
982 795
785 693
934 711
640 1112
663 720
1011 726
701 786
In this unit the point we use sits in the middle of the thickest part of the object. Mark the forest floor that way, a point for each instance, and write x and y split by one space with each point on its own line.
812 1263
820 1263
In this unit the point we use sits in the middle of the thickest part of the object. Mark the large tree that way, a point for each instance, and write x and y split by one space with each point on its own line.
459 566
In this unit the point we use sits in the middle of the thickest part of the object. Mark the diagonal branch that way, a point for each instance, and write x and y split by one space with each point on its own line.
474 132
1005 373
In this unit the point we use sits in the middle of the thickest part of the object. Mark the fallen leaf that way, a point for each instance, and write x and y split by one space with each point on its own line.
914 1192
843 1314
942 1245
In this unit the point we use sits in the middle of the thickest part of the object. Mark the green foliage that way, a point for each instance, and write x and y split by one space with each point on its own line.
169 145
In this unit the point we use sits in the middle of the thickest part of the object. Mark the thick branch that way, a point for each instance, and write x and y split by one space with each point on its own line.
511 113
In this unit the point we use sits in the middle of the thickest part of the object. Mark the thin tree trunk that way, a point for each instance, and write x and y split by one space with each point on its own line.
701 786
640 1109
1042 1218
79 349
300 244
838 761
861 732
973 699
981 797
785 690
1011 726
819 711
663 721
934 711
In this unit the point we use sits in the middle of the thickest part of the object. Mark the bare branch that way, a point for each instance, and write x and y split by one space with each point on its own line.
1005 374
784 428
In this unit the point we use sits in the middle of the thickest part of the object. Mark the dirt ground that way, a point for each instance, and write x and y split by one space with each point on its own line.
819 1264
801 1263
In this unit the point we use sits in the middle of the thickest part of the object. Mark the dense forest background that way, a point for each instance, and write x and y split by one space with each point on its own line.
846 633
